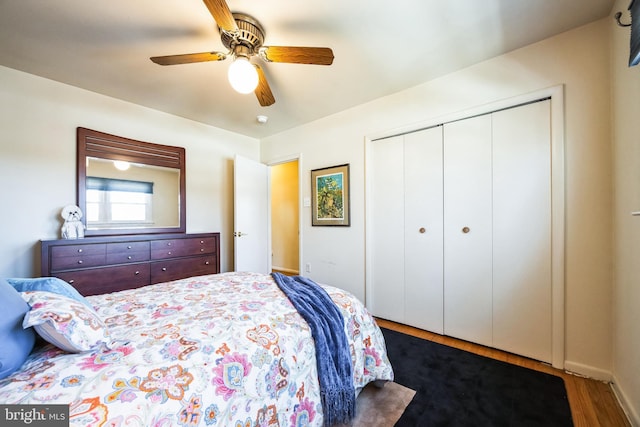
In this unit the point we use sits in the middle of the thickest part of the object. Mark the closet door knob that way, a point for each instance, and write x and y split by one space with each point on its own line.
422 230
465 230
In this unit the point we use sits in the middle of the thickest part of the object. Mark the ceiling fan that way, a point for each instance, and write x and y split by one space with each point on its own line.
243 36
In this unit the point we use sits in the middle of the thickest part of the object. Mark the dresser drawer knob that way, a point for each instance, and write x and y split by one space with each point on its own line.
169 253
80 261
168 243
71 281
201 249
129 247
129 257
164 268
206 263
202 242
137 272
79 251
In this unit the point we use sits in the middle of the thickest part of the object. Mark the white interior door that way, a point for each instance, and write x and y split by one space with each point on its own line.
251 216
423 234
468 230
522 230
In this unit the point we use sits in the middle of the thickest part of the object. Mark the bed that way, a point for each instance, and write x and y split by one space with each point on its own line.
225 349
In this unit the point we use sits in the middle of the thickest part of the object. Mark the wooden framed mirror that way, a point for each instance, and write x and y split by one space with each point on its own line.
126 186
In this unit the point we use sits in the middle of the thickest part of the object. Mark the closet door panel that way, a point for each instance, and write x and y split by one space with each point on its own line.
468 230
522 230
387 299
423 260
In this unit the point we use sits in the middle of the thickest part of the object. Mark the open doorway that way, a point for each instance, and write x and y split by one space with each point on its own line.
285 218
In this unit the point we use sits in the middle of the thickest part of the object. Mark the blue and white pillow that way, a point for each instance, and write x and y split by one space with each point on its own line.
48 284
65 322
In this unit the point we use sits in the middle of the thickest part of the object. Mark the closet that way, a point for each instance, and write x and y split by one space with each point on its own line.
460 225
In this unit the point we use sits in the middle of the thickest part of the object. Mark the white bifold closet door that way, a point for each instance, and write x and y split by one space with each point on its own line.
387 254
407 242
522 309
461 229
468 230
423 233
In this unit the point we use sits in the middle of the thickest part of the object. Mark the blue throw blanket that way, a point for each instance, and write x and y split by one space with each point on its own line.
332 348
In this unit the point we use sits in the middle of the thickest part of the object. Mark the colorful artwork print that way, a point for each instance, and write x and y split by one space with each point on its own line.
330 196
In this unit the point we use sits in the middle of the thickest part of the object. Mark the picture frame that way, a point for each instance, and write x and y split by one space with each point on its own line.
330 201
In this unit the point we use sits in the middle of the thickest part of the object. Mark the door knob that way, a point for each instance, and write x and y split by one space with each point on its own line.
466 230
239 234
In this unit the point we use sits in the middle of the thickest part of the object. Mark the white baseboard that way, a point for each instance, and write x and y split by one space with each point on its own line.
588 371
627 407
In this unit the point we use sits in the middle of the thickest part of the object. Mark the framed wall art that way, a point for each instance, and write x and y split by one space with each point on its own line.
330 196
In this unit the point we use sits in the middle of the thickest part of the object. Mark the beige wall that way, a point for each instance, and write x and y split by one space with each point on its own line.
285 212
579 60
626 177
38 121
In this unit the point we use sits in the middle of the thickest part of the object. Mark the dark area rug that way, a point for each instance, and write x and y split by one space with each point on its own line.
458 388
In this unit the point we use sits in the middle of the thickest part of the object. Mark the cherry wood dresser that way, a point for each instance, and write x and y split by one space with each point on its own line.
98 265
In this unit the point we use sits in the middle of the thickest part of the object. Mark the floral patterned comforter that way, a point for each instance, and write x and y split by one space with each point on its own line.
219 350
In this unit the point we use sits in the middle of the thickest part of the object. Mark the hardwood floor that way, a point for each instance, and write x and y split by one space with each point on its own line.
592 402
286 273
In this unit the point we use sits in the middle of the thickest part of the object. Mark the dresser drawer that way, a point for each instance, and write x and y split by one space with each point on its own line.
164 271
107 279
127 252
161 249
77 256
113 248
96 265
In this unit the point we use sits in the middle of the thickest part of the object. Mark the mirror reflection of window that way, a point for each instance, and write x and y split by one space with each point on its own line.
140 196
116 202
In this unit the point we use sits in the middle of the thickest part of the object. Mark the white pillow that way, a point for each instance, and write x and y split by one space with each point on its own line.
65 322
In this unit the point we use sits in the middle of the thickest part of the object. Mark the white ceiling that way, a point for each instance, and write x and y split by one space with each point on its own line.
379 47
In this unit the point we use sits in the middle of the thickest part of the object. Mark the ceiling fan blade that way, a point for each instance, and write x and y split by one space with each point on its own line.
222 15
188 58
297 54
263 91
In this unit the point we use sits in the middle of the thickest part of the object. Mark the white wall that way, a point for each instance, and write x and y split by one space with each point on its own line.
38 121
626 178
579 59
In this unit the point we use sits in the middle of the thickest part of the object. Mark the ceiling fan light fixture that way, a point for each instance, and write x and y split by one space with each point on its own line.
243 76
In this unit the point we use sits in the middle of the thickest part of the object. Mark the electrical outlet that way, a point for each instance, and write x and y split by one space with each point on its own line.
307 267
